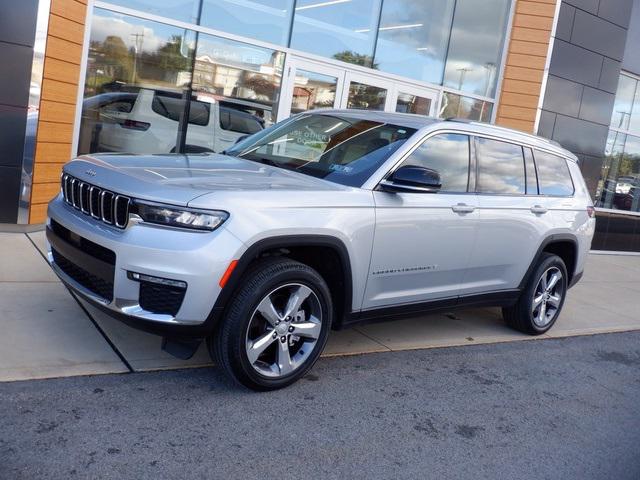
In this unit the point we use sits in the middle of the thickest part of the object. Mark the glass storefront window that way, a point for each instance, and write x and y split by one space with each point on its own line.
476 45
131 64
624 102
408 103
185 10
340 29
620 187
366 97
313 90
241 83
413 36
455 106
266 20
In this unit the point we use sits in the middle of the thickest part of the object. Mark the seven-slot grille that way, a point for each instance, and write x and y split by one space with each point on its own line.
104 205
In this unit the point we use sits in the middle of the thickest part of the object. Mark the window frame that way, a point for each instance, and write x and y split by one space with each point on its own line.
471 167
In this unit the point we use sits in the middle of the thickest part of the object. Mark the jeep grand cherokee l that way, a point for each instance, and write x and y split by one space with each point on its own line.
323 220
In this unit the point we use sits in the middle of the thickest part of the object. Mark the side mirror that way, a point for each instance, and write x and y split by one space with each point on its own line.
240 138
412 179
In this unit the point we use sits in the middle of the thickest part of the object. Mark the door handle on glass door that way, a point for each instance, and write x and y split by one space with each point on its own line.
538 209
463 208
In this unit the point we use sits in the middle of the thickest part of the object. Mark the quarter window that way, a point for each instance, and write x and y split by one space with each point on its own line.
500 167
448 154
553 174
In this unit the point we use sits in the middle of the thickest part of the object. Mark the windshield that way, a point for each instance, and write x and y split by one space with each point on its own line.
334 147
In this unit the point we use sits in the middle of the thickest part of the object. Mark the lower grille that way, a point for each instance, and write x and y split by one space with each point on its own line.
161 299
87 246
97 285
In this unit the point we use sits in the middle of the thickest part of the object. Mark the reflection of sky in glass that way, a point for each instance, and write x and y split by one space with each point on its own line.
332 29
266 20
476 45
553 174
185 10
623 103
500 167
151 35
230 52
447 154
413 37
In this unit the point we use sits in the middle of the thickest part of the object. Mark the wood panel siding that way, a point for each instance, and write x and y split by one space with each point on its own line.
525 63
61 77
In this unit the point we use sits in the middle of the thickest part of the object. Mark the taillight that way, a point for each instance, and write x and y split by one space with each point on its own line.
591 212
135 125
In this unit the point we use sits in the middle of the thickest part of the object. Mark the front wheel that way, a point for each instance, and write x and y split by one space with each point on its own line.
542 299
276 326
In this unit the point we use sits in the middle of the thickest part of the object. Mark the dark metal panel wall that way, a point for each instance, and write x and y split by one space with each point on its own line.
583 76
17 35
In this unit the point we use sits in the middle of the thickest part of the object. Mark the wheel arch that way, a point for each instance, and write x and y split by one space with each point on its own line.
326 254
565 245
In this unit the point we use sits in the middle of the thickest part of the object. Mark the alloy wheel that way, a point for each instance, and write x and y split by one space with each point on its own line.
283 330
547 297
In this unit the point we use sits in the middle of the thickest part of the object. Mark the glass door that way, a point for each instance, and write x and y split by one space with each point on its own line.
416 100
367 92
309 85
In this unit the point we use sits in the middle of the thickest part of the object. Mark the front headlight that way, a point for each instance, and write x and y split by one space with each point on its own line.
181 217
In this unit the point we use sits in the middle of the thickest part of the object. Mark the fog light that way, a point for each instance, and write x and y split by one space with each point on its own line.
141 277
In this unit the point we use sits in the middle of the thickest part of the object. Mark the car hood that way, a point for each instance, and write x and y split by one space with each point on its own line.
178 179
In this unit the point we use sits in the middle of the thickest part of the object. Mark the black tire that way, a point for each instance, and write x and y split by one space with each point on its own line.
521 316
228 344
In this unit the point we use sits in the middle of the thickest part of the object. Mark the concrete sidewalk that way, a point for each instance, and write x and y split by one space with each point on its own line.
49 333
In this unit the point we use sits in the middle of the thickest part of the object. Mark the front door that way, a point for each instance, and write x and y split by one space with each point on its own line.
423 241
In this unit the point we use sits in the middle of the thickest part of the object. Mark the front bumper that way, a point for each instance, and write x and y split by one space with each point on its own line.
198 259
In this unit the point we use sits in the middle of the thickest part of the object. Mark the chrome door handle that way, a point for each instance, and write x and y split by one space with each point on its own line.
538 209
463 208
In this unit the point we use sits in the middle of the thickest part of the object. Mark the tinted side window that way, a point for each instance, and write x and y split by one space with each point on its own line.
171 106
448 154
500 167
553 174
119 106
236 121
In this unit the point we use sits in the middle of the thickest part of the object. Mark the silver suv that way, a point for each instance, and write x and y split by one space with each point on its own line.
318 222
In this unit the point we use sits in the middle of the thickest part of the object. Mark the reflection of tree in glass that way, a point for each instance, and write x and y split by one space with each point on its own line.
355 58
111 61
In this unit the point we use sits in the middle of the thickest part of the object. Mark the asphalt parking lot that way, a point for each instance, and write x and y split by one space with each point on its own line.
554 408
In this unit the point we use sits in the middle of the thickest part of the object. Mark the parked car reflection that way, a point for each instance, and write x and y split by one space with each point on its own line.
145 120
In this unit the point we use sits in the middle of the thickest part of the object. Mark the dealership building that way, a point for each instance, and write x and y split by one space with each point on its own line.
186 76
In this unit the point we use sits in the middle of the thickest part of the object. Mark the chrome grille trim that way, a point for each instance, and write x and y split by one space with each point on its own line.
84 187
94 191
104 205
117 205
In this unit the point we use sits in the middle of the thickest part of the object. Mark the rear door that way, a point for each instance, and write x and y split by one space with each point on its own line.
423 241
512 217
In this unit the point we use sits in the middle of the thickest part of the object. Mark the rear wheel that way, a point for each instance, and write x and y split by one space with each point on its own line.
542 299
276 325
